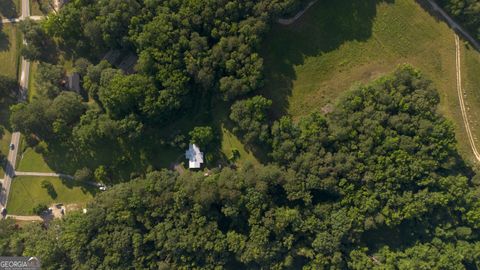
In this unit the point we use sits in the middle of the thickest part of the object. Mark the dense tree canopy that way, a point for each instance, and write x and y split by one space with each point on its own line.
250 118
39 45
183 47
375 184
467 12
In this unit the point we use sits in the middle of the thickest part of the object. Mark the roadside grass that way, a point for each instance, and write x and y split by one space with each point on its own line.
39 7
27 192
10 44
31 161
9 8
339 44
32 88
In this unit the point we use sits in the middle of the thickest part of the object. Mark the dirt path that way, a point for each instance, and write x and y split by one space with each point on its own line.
462 102
25 218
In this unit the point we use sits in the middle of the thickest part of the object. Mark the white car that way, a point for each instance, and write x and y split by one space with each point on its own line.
103 188
12 146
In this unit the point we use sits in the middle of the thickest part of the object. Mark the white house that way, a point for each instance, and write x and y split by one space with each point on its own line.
194 156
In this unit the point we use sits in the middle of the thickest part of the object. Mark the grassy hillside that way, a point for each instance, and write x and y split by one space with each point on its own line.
339 43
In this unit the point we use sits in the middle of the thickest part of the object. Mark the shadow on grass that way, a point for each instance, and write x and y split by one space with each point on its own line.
8 9
322 29
85 187
4 40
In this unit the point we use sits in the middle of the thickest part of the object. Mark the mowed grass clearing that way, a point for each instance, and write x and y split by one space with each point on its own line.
27 192
338 44
471 86
31 161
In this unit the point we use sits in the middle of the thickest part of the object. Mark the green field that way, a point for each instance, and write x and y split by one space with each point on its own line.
338 44
9 8
31 161
27 192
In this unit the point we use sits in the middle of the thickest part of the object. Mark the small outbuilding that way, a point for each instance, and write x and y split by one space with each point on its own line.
194 156
74 82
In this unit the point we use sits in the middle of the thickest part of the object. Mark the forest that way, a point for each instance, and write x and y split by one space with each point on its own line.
467 12
191 54
375 184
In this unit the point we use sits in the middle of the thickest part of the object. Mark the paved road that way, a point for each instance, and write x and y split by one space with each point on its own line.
43 174
455 26
16 20
9 171
25 8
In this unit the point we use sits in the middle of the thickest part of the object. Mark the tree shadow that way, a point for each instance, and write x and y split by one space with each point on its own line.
8 9
85 187
4 40
322 29
50 189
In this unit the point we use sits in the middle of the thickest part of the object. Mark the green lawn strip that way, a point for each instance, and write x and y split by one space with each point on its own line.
26 192
10 43
311 63
32 89
31 161
230 142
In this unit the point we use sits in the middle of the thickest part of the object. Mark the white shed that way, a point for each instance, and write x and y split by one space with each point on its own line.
194 156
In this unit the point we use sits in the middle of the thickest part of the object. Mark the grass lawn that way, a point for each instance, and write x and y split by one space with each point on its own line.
27 192
31 161
471 86
338 44
230 142
9 8
10 43
32 89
